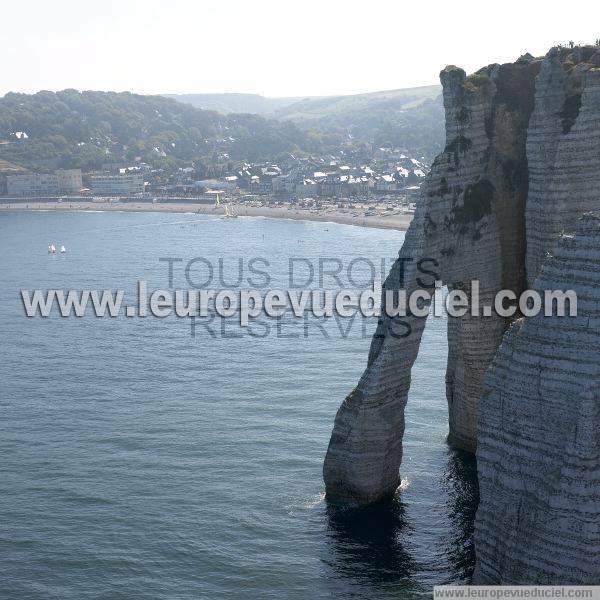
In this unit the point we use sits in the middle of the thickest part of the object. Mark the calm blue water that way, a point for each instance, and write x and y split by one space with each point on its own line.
141 462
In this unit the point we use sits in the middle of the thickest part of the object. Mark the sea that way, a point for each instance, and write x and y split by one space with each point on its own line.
177 458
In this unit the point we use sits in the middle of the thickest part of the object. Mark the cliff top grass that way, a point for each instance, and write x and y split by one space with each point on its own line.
478 81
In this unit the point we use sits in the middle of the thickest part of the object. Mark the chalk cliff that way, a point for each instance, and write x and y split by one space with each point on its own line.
538 456
469 225
538 451
520 167
563 149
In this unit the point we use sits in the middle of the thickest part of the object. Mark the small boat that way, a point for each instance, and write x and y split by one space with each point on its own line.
63 250
228 213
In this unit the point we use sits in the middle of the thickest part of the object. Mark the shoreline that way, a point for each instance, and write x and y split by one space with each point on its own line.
354 216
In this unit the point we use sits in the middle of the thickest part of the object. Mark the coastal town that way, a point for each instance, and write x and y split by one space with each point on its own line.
381 190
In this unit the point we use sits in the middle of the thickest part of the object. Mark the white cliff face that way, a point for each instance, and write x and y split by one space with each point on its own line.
365 450
538 448
469 225
563 149
520 168
538 451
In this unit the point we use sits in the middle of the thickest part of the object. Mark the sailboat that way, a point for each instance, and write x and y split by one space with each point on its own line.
228 213
62 249
51 249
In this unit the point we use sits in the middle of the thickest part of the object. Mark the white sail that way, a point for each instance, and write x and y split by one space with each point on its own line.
229 213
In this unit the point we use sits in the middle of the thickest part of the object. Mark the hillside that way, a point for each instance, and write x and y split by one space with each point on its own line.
92 129
418 130
310 107
235 103
9 168
409 118
318 108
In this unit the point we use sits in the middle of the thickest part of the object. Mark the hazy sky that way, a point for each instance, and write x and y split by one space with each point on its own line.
275 48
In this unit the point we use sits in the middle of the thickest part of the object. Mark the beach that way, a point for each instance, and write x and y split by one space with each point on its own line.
377 216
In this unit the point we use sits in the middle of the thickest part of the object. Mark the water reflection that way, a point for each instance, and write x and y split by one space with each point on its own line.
367 544
462 497
410 543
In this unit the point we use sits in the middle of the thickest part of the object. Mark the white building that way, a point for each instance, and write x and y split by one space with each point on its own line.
69 181
129 184
31 185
